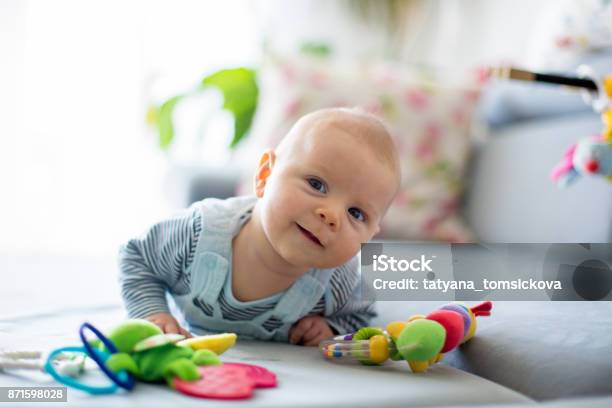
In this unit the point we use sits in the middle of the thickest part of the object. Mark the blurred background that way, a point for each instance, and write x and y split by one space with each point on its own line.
111 111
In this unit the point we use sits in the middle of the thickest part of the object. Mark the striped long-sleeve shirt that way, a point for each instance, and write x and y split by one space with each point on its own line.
157 262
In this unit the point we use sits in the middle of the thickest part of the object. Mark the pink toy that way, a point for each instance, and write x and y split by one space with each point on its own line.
263 377
227 381
591 156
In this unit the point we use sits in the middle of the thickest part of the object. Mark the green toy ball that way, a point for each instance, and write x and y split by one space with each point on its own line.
126 335
421 340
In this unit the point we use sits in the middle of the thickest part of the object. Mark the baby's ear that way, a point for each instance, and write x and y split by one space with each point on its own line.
266 162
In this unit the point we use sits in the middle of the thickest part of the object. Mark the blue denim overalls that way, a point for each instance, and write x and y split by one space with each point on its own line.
210 271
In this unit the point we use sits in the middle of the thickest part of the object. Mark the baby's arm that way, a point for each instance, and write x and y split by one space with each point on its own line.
167 323
151 264
309 331
346 311
352 317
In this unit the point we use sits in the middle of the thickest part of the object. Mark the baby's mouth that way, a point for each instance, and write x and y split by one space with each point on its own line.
310 235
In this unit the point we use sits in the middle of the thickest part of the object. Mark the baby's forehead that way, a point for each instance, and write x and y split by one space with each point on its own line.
364 135
334 128
343 130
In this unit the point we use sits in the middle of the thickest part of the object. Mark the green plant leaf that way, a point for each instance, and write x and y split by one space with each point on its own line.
240 93
164 121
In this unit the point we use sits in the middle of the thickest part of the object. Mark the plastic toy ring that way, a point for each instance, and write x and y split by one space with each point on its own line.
100 359
72 382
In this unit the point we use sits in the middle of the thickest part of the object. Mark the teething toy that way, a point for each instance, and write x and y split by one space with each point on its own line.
135 349
421 340
150 355
227 381
191 366
138 349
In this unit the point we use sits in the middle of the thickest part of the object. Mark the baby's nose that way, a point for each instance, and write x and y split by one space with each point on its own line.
329 217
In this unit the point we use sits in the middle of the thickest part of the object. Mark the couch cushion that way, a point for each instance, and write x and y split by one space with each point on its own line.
542 349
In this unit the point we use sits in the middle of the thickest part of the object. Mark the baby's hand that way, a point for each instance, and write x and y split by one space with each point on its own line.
167 323
309 331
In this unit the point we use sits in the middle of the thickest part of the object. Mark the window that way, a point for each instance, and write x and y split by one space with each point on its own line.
80 171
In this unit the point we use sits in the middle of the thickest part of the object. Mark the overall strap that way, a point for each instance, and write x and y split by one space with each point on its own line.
303 295
220 221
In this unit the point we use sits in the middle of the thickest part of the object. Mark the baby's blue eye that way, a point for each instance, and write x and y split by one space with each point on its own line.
357 213
317 185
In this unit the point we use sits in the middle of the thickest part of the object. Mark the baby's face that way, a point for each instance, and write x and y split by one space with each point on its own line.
324 198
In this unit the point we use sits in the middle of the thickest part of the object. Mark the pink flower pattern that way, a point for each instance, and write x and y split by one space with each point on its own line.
416 99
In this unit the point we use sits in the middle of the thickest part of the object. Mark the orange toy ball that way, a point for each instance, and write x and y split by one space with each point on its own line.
452 323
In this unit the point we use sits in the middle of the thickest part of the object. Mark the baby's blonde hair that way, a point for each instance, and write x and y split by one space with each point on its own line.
364 126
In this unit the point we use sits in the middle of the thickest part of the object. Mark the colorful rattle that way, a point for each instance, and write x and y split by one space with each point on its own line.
421 340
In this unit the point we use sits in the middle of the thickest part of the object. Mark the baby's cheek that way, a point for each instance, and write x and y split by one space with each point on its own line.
276 208
344 254
281 202
352 244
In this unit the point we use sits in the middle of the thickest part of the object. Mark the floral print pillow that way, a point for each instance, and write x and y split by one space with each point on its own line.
429 123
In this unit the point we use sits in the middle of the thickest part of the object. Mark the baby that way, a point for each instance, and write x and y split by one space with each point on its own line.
282 265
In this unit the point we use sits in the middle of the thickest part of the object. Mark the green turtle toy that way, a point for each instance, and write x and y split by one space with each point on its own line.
150 355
